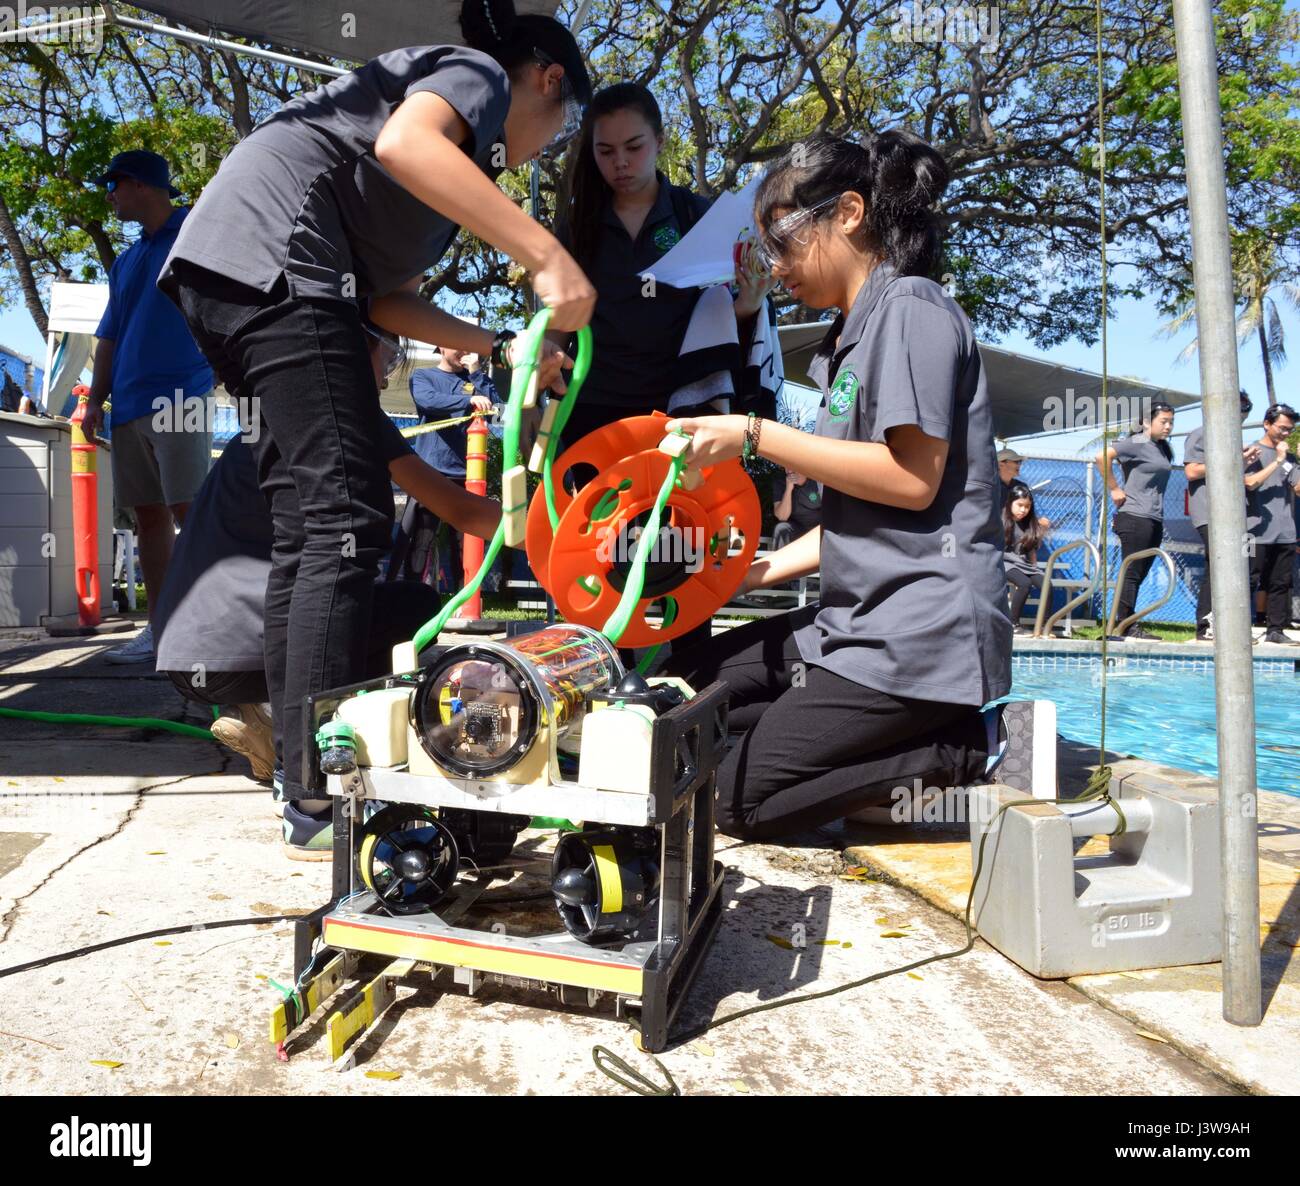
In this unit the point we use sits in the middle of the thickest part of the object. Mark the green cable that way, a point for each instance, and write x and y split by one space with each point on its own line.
581 365
670 616
76 718
622 615
531 342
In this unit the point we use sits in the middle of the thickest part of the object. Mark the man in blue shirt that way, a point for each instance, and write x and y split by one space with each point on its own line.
160 384
441 392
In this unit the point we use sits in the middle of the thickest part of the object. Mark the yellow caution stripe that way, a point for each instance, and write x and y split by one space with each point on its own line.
319 989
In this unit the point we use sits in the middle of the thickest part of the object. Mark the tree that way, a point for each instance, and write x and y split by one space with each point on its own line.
1258 273
1007 93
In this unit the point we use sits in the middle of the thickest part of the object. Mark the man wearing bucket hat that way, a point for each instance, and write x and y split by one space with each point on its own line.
147 361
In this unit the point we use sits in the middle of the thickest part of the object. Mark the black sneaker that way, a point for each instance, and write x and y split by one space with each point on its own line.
1138 632
1204 632
1276 636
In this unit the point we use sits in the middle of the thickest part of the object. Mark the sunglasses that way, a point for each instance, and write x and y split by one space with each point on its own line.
112 183
573 110
793 230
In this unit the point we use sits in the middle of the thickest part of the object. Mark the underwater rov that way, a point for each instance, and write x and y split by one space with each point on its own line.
436 769
463 753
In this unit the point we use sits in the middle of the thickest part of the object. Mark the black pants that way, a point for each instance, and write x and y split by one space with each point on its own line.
1020 583
1135 534
400 609
817 746
1203 601
303 369
1272 569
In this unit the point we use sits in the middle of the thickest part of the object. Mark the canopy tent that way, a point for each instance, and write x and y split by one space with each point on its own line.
335 28
1018 383
75 310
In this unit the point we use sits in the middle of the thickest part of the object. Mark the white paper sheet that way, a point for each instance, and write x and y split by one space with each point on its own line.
704 257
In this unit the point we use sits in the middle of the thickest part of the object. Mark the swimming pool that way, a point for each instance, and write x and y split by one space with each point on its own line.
1165 712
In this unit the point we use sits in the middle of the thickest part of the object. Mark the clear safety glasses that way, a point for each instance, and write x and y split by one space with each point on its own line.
793 230
573 110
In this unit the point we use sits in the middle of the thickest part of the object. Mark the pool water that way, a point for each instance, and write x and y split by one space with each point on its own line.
1168 717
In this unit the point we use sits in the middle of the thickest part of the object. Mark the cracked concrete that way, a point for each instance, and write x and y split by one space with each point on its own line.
144 831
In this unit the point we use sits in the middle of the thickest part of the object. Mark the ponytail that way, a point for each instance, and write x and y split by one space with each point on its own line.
496 29
899 176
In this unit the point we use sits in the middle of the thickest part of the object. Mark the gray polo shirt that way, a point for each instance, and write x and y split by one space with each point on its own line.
913 603
210 609
1271 514
1146 468
1198 500
304 197
1015 557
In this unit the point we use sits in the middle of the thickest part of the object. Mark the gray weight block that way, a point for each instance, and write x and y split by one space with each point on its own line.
1153 901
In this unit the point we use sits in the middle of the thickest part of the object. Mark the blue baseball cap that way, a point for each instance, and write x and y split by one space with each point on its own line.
144 166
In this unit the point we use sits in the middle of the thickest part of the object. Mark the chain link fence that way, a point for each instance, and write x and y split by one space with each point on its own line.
1070 492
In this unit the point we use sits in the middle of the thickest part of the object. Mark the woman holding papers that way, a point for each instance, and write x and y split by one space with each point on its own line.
619 215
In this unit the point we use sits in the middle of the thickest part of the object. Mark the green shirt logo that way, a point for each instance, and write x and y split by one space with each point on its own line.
666 238
843 395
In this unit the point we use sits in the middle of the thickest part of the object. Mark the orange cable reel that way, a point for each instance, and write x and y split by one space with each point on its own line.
587 561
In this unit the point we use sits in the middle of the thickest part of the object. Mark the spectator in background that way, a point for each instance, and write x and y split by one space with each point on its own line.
1009 462
1023 534
147 362
797 507
11 395
1198 504
1146 461
1272 479
455 386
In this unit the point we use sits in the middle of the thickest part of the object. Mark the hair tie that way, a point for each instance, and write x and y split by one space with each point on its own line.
487 12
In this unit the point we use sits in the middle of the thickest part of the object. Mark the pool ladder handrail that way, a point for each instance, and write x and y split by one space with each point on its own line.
1137 615
1043 629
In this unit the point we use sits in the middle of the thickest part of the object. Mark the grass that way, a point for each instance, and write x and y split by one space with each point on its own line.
1165 631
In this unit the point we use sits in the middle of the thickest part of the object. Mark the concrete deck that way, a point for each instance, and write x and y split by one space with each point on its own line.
107 832
1181 1005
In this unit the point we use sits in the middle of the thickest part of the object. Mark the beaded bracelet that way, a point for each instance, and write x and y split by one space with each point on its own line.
753 431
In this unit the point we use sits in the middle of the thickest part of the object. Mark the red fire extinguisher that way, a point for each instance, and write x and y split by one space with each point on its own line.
85 513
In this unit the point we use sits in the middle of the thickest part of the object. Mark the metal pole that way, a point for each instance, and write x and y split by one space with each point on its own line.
36 32
1233 672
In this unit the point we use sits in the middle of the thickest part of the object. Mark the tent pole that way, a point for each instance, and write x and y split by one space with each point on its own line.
109 16
1233 667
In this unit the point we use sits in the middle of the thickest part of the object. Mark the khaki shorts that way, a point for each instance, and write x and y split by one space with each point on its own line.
164 462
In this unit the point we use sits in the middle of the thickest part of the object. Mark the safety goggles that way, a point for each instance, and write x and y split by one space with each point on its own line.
391 349
791 231
573 110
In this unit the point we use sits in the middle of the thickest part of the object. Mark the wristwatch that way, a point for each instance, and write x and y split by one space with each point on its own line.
500 348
